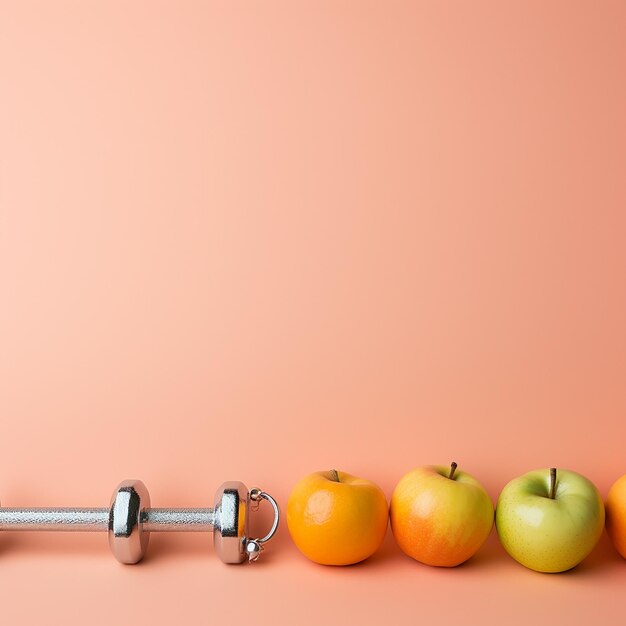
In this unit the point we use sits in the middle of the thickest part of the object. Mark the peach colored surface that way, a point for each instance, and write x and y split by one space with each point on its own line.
249 240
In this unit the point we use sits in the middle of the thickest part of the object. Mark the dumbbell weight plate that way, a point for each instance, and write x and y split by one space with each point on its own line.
127 539
231 522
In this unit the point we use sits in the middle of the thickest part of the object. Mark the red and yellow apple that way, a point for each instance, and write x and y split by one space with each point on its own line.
440 516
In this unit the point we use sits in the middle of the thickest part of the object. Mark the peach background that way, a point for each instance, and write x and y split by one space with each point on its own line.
249 240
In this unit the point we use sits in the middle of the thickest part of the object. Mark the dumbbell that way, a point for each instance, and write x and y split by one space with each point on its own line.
129 521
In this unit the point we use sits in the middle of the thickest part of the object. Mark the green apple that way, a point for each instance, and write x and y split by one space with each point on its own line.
549 521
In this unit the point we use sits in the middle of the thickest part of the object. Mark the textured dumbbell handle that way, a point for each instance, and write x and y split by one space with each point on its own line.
97 519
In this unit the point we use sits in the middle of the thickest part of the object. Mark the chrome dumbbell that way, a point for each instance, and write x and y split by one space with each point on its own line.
129 521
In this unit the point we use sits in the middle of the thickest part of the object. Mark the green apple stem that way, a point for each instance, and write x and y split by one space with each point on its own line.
552 482
334 476
453 467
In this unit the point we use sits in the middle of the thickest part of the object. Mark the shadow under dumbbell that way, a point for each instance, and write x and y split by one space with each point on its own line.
162 546
92 546
197 546
71 545
174 546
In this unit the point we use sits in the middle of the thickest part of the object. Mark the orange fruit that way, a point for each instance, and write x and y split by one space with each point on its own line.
616 515
337 519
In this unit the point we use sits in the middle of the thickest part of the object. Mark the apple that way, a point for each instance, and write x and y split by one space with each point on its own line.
335 518
440 516
549 520
616 515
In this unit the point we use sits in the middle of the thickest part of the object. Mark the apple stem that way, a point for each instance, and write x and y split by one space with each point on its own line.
453 467
334 476
552 482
